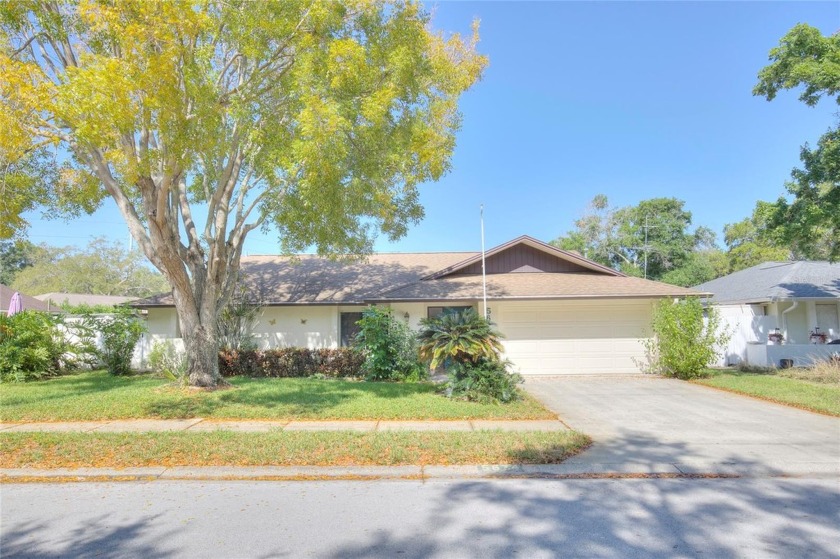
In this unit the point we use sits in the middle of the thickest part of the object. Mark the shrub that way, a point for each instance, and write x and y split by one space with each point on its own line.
291 362
236 322
462 337
342 362
244 363
684 344
165 360
487 380
110 338
389 347
31 346
287 362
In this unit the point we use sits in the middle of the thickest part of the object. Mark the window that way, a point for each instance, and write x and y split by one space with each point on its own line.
349 327
434 312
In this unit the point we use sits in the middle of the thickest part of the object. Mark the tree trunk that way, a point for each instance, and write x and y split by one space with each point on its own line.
202 357
198 330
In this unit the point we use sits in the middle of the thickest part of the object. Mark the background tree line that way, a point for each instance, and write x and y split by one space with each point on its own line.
655 238
102 268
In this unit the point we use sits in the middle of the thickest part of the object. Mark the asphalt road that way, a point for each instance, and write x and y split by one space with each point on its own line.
607 518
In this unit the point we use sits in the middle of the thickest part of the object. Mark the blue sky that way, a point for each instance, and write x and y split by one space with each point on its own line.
632 100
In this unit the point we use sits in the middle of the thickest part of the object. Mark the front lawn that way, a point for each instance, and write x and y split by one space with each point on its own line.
342 448
790 387
98 395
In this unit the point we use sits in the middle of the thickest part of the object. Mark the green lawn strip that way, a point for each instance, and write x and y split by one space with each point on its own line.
822 398
336 448
100 396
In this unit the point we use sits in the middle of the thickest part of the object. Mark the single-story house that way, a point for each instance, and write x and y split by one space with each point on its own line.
29 303
560 313
787 300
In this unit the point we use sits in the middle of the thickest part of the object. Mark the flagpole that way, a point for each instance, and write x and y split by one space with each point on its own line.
483 271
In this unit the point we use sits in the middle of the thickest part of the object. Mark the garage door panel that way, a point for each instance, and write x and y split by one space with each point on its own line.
521 348
575 337
627 346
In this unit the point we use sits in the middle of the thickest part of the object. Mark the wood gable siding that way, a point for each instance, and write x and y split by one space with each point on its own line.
523 258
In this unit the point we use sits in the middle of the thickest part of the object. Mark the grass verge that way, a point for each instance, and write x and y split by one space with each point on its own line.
98 396
790 389
341 448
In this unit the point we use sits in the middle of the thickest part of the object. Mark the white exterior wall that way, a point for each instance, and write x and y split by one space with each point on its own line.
309 326
415 311
746 325
794 322
828 319
161 324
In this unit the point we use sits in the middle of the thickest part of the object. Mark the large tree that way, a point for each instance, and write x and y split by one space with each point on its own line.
204 120
652 236
808 59
701 266
749 242
15 255
103 268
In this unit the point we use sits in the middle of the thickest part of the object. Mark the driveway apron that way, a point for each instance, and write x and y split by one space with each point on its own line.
647 424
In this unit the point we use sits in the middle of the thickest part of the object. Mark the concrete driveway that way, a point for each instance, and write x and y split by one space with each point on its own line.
647 424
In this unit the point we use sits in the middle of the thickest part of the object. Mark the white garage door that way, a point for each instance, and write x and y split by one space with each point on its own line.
574 337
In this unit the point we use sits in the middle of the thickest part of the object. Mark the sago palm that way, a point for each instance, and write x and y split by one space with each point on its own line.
464 337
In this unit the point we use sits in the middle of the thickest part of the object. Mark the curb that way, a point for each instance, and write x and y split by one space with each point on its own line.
420 473
195 425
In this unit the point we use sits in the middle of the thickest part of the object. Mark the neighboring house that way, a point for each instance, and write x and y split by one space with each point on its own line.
29 303
795 297
76 299
560 313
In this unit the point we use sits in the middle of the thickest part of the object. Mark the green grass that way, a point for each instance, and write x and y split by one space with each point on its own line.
118 450
98 395
821 397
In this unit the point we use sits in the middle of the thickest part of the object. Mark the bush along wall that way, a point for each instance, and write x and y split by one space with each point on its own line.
32 347
291 362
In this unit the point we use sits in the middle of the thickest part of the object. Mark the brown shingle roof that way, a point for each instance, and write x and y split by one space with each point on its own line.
314 280
308 279
29 303
535 285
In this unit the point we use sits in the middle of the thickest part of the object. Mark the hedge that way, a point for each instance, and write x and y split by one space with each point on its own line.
291 362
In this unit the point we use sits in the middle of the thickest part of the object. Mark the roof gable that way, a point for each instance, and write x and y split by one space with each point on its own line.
525 254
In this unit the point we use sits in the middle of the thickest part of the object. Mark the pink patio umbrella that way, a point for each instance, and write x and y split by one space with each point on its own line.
15 304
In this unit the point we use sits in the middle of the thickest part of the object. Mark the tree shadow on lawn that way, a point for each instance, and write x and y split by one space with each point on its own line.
72 385
183 408
315 397
272 398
